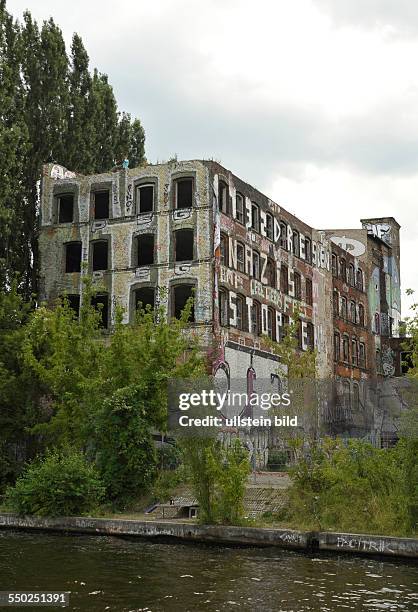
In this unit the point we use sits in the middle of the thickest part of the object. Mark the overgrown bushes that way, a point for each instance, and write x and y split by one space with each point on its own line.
61 484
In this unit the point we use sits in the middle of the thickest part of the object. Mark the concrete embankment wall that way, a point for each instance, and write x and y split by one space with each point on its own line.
221 534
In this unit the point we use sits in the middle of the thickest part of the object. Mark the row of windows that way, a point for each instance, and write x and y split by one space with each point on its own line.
143 249
289 240
348 310
354 354
144 200
142 298
347 274
258 320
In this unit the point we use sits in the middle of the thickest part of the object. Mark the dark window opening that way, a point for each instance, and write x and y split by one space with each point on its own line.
336 303
256 318
66 208
240 304
184 244
343 270
224 249
308 250
271 273
256 265
223 307
255 214
345 349
362 355
101 205
354 352
269 226
336 346
309 295
73 257
310 338
74 304
284 328
184 193
284 279
296 243
101 304
353 316
344 307
145 296
360 283
181 294
145 245
100 255
145 198
240 212
271 327
298 285
223 197
351 275
334 265
283 236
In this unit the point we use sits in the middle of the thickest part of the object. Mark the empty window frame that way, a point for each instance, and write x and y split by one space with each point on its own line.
284 279
256 265
351 276
145 245
344 307
224 249
100 255
336 303
334 264
240 257
308 290
74 304
65 208
184 245
343 269
337 342
145 198
310 336
73 256
255 217
298 285
255 323
360 280
346 349
361 318
240 209
144 298
223 307
240 305
283 235
101 303
101 204
296 243
183 190
308 250
223 196
180 295
271 272
269 226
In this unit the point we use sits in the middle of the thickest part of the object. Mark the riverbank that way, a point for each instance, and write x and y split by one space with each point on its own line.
221 534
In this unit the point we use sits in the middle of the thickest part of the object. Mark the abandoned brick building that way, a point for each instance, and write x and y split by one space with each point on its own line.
154 234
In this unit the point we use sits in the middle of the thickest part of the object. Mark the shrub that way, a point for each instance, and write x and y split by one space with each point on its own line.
61 484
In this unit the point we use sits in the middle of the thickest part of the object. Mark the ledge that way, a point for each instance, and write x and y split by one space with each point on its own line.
220 534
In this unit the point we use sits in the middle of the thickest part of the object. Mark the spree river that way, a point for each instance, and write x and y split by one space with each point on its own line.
108 573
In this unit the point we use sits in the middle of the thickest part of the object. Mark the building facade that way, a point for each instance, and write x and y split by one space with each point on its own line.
160 233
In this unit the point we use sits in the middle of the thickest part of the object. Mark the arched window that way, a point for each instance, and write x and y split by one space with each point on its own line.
180 295
296 243
308 250
308 294
354 352
256 265
284 279
255 217
271 273
269 226
283 235
343 269
353 314
255 323
239 208
351 279
362 355
344 307
360 280
240 304
240 257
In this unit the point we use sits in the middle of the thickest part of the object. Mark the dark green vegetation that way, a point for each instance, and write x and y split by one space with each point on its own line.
52 108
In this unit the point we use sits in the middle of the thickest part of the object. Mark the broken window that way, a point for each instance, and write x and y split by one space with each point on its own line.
73 257
101 303
240 304
223 307
101 204
298 285
66 208
184 193
296 243
145 298
256 265
284 279
308 289
74 304
255 217
181 293
223 197
144 198
240 257
256 318
224 249
240 211
100 255
145 245
336 346
269 226
184 244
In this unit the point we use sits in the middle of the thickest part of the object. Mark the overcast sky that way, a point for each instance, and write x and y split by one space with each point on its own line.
314 102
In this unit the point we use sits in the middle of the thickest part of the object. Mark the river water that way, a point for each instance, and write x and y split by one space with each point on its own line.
108 573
